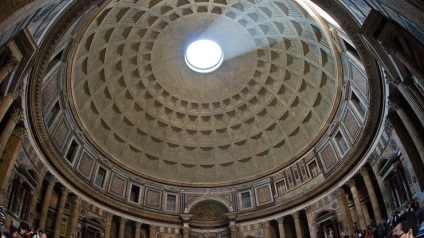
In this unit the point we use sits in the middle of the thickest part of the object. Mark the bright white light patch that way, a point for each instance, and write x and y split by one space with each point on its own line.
203 56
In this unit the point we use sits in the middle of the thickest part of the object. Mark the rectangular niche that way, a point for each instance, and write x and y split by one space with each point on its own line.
86 164
152 198
117 185
263 195
281 187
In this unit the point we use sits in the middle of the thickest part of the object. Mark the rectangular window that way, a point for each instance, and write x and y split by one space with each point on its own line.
360 106
72 150
100 178
341 142
51 115
171 201
135 193
245 200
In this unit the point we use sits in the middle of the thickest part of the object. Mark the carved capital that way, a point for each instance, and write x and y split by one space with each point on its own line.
351 183
122 220
231 216
280 220
17 114
20 132
75 199
364 172
391 80
264 224
186 217
18 93
308 209
295 215
64 190
340 192
52 180
138 225
393 104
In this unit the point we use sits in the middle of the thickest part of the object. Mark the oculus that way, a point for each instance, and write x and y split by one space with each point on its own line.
203 56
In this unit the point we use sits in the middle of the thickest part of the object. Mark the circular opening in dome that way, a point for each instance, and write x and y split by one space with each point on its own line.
204 56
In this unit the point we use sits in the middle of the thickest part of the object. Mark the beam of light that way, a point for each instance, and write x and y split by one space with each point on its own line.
245 48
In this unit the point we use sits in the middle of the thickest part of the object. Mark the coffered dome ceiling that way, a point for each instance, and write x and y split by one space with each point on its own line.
266 105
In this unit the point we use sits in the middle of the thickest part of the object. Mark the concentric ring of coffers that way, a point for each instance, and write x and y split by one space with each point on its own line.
267 103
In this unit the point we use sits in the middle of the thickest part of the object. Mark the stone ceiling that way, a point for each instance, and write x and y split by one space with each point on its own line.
139 103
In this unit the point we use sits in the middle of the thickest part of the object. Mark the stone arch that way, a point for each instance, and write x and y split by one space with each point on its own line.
194 202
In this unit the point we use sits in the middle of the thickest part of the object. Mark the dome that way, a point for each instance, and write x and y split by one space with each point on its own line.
267 105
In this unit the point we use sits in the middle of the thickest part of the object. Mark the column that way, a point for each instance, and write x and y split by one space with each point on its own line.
108 225
266 229
358 206
16 116
310 218
64 195
152 231
233 227
344 212
409 125
297 224
186 224
137 229
73 217
7 162
371 194
143 233
35 196
122 222
394 49
46 202
281 227
366 213
15 200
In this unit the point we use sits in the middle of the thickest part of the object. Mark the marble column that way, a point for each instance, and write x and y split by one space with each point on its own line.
409 125
73 218
137 229
393 48
344 212
297 224
310 218
366 213
281 227
16 116
122 222
152 231
266 229
59 214
36 195
409 96
17 193
7 162
186 224
358 205
108 226
233 228
371 193
46 202
143 234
